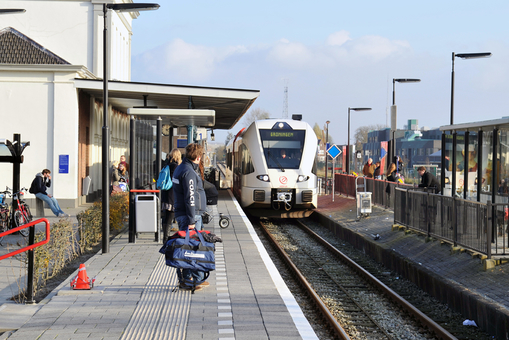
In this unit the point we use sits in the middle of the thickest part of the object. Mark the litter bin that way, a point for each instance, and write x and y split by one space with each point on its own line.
363 203
146 213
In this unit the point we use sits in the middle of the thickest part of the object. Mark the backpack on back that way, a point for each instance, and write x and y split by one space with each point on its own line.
164 180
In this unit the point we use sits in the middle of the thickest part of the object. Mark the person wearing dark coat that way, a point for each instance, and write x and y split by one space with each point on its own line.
187 205
38 187
428 180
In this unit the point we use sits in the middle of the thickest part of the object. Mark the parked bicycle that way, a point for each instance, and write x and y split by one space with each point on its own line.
4 213
20 211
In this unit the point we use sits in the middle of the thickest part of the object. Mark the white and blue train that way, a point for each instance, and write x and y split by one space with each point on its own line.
273 164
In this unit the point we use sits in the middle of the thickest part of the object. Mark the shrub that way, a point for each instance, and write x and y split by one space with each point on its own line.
67 243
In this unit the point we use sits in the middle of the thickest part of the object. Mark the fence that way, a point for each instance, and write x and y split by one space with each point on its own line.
482 227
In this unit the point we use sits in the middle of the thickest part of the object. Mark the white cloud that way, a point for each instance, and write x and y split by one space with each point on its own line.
290 54
338 38
183 60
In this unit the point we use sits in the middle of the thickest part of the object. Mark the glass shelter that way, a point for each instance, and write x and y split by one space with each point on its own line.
476 160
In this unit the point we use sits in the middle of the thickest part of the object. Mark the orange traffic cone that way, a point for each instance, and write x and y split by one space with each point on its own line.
81 281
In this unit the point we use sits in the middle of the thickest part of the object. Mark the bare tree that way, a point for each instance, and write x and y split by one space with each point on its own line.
229 137
254 115
361 134
322 134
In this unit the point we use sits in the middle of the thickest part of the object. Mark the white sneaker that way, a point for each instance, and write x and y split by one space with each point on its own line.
61 215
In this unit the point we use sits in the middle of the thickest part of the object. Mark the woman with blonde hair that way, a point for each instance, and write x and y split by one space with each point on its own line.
173 159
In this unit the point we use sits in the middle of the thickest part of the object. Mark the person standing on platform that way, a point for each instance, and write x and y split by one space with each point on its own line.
167 200
187 200
369 168
38 187
376 174
428 180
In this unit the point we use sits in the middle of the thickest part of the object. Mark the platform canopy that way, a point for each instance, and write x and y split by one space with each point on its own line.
176 117
229 104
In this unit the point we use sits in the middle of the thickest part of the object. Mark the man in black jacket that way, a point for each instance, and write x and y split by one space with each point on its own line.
38 187
187 204
428 180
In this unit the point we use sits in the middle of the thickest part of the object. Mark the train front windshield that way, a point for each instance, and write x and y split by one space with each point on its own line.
283 148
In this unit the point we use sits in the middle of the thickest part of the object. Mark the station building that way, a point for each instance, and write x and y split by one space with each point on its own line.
51 92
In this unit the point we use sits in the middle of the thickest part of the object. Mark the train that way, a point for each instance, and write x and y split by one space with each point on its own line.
273 163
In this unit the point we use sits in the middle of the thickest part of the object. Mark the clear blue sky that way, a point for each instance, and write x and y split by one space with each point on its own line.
335 55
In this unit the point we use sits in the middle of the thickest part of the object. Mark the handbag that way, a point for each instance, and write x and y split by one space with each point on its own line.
189 253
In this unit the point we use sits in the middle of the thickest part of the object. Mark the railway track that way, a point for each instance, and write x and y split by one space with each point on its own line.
355 303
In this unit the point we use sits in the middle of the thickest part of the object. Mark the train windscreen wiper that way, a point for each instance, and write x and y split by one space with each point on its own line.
275 160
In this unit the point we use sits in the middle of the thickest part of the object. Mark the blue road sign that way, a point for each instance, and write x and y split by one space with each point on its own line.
334 151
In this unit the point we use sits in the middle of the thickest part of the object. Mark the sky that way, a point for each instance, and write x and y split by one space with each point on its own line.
333 55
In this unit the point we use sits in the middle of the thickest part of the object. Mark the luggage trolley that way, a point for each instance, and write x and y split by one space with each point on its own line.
363 199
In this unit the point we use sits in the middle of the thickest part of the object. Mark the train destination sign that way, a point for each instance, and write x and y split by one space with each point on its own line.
334 151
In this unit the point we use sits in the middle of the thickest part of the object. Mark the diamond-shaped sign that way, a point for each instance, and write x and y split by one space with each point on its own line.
334 151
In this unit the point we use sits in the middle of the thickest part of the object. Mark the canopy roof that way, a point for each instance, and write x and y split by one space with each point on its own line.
229 104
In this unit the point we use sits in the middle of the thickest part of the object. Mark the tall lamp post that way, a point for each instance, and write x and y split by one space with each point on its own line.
463 56
131 7
394 115
326 141
348 141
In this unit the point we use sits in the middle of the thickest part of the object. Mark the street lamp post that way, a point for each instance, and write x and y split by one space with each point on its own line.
131 7
394 126
326 141
348 141
463 56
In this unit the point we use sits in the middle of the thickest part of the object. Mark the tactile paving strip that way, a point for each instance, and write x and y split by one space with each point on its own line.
162 312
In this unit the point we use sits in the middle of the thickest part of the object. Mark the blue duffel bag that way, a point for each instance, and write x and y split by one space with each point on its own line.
189 253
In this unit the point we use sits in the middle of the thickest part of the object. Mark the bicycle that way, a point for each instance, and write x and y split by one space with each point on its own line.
21 214
4 213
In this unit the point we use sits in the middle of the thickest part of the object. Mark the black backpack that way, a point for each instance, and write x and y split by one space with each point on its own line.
210 192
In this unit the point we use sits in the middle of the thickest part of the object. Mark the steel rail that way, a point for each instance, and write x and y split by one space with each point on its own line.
331 320
432 325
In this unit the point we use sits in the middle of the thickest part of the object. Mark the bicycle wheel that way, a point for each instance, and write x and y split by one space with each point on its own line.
20 219
4 223
29 214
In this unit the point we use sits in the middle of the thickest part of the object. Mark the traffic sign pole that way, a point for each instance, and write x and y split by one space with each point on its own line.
334 152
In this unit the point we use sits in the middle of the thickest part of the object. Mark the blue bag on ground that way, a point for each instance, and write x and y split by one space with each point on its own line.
189 253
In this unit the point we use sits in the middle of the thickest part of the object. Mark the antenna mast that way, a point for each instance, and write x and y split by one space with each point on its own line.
285 100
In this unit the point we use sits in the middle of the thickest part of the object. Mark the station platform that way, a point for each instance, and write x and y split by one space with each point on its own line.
457 278
135 294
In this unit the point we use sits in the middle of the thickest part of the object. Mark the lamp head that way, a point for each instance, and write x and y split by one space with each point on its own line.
359 108
12 10
406 80
473 55
133 7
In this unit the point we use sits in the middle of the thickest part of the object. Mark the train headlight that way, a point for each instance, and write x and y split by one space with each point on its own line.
302 178
264 178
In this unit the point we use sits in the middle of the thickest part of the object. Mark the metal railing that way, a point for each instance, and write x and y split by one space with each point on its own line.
382 191
481 227
30 248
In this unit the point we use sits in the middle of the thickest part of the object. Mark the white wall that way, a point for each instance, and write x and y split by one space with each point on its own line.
42 107
73 30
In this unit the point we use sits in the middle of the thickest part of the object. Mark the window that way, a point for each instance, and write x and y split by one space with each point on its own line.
283 148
